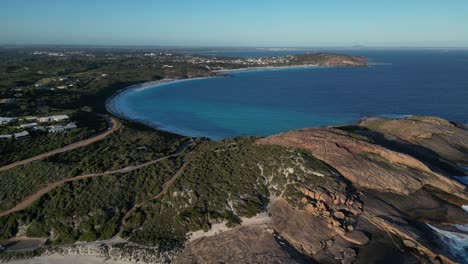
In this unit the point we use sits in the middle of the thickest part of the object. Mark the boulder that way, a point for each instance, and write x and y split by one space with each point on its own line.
355 237
339 215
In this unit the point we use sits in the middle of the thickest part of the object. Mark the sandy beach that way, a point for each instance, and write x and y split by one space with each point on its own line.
111 102
112 107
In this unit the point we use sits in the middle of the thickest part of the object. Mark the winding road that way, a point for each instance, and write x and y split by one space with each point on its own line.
114 125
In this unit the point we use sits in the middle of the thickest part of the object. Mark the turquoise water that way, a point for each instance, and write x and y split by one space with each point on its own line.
266 102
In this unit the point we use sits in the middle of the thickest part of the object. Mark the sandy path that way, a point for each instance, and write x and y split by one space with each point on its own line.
164 190
114 125
32 198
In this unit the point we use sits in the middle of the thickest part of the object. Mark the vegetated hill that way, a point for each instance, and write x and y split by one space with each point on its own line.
328 195
223 182
329 59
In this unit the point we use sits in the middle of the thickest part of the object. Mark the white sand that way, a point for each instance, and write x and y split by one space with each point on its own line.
259 219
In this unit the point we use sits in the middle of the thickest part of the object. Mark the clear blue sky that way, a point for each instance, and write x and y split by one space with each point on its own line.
236 22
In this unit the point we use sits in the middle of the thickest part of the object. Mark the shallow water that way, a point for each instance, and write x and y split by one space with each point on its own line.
266 102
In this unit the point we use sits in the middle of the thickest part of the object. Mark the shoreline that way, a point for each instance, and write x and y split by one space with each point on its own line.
110 101
269 68
111 107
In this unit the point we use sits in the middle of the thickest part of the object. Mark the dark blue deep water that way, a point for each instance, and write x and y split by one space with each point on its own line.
398 83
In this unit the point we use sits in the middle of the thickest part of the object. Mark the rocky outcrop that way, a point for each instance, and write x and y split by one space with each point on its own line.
383 216
373 208
448 140
245 244
390 196
365 164
320 235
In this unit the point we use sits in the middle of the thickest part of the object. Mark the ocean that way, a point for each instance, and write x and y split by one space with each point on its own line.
264 102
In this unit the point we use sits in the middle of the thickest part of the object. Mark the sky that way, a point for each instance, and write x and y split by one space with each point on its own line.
265 23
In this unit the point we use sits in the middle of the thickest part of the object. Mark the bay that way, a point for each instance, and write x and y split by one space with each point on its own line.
264 102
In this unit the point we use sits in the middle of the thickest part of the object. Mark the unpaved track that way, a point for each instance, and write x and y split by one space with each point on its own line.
164 190
114 125
34 197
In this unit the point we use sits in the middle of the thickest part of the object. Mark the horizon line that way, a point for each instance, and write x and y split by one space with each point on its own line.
235 46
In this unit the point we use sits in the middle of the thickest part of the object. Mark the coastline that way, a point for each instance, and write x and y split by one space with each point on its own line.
111 103
268 68
112 108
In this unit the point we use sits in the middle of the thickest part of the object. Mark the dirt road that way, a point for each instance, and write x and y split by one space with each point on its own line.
114 125
164 190
34 197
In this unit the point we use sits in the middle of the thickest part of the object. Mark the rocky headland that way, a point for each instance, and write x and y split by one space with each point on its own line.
376 204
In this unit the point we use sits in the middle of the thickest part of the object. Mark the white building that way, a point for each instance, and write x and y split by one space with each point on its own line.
39 128
70 126
58 118
6 136
61 129
21 135
28 125
56 129
7 101
7 120
55 118
44 119
30 118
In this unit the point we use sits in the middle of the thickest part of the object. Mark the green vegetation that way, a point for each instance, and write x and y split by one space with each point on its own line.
326 59
429 119
9 226
89 78
88 123
374 156
12 256
131 146
225 181
90 209
359 137
21 181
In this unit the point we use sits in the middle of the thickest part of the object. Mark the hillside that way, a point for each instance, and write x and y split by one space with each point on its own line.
329 59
